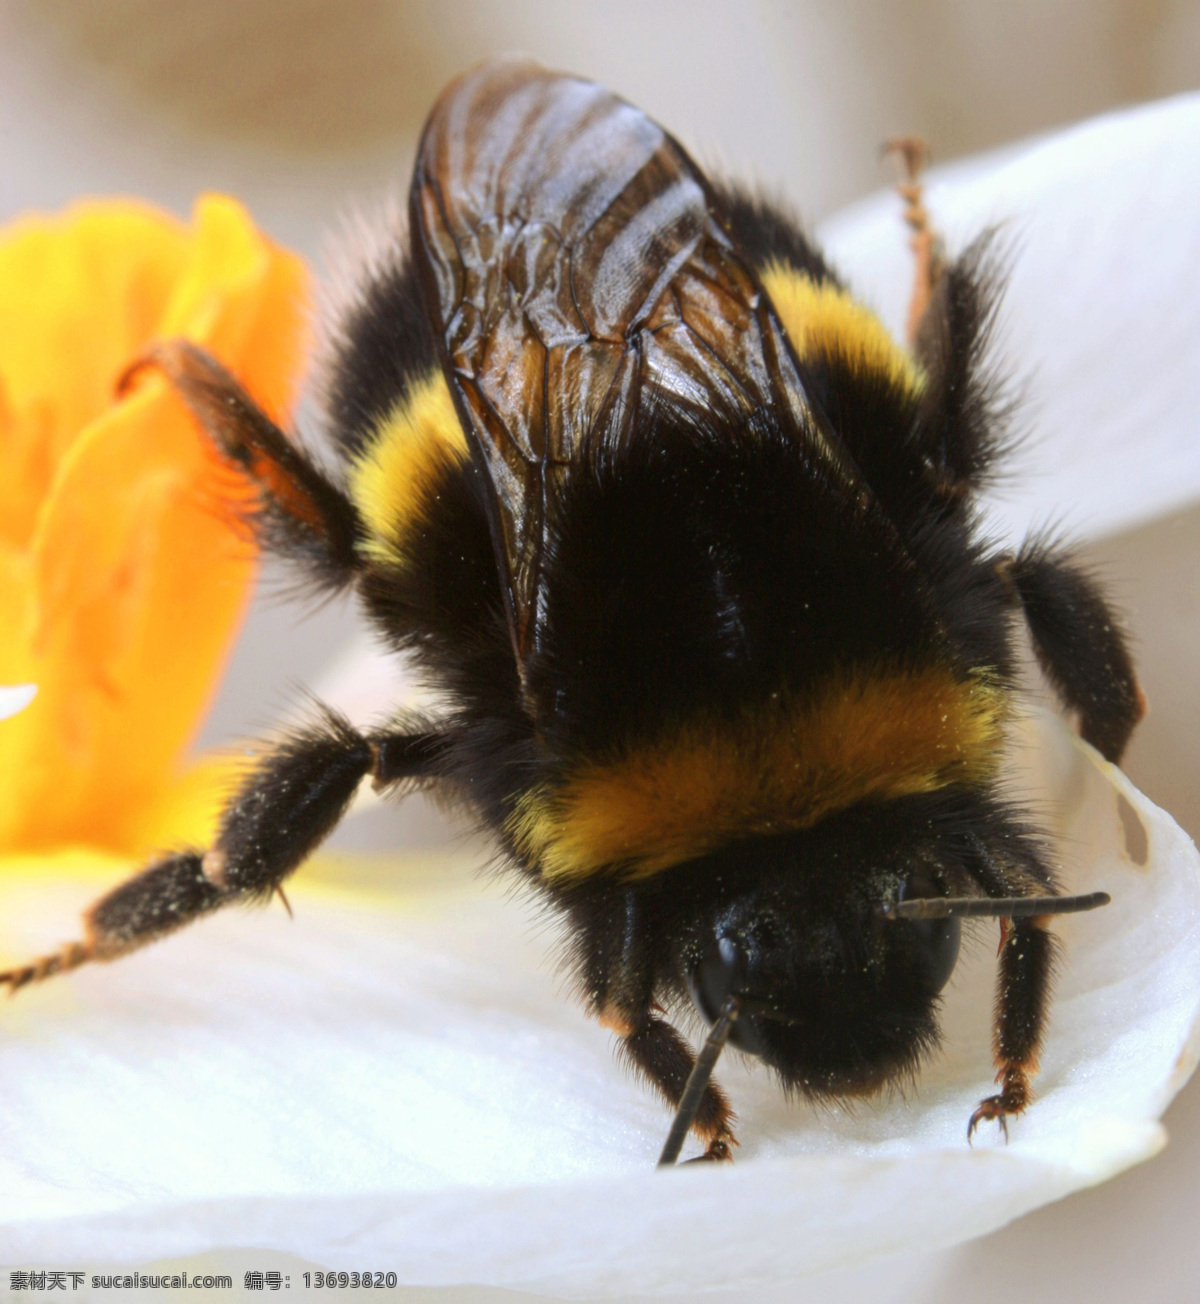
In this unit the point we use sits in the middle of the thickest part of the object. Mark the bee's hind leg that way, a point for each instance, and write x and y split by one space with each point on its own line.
925 243
1080 645
620 956
287 805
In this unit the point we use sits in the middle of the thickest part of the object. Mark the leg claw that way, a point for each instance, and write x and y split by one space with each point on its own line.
1012 1100
720 1151
991 1108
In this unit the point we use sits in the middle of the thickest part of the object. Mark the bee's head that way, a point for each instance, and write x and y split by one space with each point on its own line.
832 995
836 1001
837 941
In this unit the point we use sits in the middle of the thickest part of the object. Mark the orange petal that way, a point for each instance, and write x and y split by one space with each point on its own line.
80 293
137 579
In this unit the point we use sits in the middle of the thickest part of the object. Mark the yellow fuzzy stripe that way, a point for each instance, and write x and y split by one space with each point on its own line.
392 477
821 319
783 765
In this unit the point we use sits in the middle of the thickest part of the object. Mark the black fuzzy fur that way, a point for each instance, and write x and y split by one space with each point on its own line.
963 417
160 899
383 348
708 568
1080 644
702 571
289 802
705 567
283 808
802 905
766 232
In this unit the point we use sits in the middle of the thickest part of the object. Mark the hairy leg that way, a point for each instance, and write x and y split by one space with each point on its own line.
617 968
1027 956
298 511
1080 646
924 242
287 805
654 1048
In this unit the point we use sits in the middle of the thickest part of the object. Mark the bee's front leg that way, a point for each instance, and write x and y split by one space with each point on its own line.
621 948
654 1048
1027 955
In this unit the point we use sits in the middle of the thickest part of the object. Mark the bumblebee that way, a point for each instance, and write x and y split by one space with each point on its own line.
687 544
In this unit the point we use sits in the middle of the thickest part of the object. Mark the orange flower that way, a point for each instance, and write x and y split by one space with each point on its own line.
121 579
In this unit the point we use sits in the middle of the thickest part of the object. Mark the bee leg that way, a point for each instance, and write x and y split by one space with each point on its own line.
287 805
298 512
1080 646
664 1058
1027 955
925 243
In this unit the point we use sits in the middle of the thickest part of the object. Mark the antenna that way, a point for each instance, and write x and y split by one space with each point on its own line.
1003 907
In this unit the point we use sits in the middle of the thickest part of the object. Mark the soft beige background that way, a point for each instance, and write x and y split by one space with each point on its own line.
306 110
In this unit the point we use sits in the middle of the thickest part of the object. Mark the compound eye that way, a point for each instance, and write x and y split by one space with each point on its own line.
935 942
723 972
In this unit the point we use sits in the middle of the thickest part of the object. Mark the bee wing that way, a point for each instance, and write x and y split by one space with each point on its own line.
576 269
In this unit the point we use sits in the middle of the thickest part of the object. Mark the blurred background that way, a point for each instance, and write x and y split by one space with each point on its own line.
309 112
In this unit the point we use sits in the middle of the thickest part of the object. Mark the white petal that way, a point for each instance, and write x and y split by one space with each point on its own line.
1100 324
395 1080
16 698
